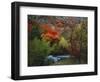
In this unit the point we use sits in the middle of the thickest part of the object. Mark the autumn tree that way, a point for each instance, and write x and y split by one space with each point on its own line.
78 37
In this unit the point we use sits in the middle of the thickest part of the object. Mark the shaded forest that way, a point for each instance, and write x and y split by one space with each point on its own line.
57 40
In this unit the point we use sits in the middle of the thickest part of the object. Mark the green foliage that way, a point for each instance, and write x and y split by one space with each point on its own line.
38 51
35 32
56 49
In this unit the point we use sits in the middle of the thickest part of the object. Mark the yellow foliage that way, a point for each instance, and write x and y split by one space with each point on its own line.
63 42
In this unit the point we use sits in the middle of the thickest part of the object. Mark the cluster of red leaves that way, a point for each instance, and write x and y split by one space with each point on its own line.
49 32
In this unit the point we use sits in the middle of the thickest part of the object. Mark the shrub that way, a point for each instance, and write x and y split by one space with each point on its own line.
38 51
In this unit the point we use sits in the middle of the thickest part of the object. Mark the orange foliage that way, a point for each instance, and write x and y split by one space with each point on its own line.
49 32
